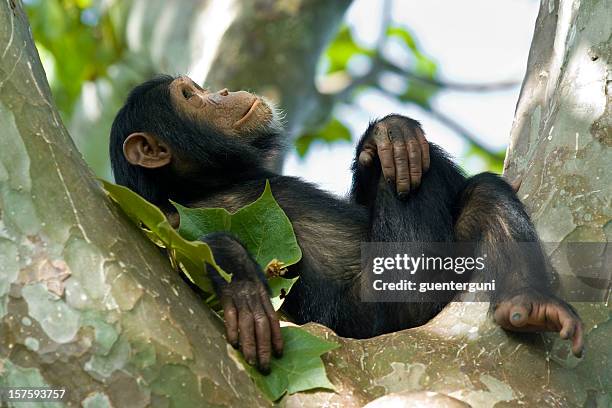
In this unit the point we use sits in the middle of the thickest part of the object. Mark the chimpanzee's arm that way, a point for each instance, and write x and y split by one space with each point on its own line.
491 215
396 147
250 320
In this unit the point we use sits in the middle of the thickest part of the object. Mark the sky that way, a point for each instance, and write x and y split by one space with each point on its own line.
472 41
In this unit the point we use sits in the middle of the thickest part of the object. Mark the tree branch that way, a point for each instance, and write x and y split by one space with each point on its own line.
384 23
459 129
450 85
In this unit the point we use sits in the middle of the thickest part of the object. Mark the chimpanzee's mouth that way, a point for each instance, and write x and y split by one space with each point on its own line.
248 112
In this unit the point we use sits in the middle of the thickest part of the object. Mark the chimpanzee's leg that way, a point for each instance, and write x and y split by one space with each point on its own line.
403 221
491 216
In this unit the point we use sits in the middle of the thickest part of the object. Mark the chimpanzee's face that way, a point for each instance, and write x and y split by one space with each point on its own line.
231 113
201 128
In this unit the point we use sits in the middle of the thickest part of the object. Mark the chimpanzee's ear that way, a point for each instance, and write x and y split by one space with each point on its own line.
145 150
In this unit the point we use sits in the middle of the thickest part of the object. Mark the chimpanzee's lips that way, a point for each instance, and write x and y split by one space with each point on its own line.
248 113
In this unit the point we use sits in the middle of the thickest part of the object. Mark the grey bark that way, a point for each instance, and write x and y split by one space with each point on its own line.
87 303
561 138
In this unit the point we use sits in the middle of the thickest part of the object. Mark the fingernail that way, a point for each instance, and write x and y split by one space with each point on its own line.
516 316
251 362
402 196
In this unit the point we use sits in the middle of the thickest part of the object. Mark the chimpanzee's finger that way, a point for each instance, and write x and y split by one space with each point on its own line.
246 331
366 157
400 158
230 315
424 147
385 152
262 334
414 163
275 332
578 340
570 328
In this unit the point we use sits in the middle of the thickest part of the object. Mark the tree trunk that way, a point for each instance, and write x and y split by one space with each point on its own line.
273 47
561 136
86 303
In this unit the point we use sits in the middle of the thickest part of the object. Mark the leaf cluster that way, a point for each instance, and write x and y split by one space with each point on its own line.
265 230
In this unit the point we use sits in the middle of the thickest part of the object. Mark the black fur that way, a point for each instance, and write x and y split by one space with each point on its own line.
213 161
229 173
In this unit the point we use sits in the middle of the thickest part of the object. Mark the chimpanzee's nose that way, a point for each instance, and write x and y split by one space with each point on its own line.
224 92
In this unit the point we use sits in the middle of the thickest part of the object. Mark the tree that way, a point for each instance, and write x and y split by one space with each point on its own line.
231 45
88 304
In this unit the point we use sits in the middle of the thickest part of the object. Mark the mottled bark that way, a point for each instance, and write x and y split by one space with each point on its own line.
86 302
561 138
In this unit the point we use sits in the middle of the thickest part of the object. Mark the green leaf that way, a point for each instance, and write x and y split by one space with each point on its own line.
83 3
299 369
494 162
190 256
424 65
419 93
85 48
331 132
279 288
404 35
266 231
262 226
342 49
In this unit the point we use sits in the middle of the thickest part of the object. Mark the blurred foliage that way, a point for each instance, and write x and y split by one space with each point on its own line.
77 40
342 49
418 74
418 92
333 131
492 161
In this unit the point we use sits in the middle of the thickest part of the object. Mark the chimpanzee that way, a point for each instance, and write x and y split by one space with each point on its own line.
175 140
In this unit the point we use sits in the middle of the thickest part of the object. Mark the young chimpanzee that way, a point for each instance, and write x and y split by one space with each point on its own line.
174 140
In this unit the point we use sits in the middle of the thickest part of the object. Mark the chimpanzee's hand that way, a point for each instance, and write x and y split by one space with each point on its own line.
400 144
531 312
251 323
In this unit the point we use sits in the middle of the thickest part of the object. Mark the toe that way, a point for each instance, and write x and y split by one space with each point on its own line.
518 315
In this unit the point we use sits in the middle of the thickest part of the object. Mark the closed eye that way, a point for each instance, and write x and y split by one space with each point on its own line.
187 93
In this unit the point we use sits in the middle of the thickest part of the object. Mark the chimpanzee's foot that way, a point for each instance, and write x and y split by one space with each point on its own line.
526 313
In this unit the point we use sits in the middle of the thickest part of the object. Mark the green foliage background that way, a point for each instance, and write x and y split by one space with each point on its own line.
80 40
